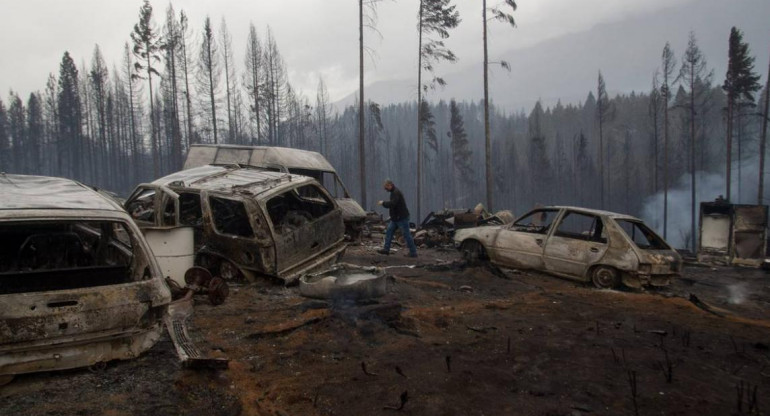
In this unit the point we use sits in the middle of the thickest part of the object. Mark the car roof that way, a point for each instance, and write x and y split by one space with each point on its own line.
231 179
614 215
205 154
45 192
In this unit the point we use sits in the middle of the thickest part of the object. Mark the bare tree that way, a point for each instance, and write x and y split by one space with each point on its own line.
322 110
603 115
208 77
229 71
654 113
184 64
668 62
497 14
763 140
276 88
99 80
173 39
435 17
693 75
147 51
253 81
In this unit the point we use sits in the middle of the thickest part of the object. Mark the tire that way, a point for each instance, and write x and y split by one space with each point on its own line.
473 252
230 272
605 277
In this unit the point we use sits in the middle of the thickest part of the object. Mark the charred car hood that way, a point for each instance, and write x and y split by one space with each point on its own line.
351 210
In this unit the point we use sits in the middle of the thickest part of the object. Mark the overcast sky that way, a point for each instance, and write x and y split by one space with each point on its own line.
316 37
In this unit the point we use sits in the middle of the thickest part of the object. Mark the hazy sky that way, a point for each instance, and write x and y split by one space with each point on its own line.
316 37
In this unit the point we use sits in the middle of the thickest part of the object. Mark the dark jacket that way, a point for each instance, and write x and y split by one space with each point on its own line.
396 205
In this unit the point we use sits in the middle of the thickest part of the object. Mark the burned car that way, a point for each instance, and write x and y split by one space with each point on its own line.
239 222
284 159
78 282
584 244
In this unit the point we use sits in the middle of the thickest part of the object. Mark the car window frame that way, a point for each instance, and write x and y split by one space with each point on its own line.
596 217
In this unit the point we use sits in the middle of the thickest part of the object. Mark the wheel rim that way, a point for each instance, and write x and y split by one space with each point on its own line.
472 251
228 271
218 291
604 278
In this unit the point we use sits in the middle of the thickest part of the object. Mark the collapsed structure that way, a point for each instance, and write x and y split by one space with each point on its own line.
732 234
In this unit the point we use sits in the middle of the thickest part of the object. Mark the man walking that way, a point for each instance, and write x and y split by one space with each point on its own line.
399 217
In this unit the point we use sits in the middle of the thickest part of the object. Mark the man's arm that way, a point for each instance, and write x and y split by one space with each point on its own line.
395 196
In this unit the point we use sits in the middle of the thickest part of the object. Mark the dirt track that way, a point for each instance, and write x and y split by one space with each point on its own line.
457 341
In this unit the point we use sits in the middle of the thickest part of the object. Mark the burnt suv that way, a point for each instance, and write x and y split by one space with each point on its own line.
239 222
78 282
284 159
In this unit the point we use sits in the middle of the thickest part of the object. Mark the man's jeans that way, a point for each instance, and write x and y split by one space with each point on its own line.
404 226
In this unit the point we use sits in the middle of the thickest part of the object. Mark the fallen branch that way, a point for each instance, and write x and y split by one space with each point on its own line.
482 329
284 330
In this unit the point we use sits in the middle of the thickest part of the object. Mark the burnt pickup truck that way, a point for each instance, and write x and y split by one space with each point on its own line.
239 222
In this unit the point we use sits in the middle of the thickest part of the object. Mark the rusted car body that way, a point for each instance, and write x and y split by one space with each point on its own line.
577 243
284 159
242 221
78 282
732 234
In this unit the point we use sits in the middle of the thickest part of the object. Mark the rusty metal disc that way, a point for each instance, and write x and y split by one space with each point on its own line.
196 275
218 291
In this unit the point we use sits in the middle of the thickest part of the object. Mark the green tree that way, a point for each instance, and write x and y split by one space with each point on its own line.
435 17
147 48
70 116
740 85
497 14
35 133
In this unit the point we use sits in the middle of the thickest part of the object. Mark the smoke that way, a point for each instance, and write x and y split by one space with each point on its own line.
709 186
738 293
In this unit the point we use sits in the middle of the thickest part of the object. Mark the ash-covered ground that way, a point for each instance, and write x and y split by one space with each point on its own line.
448 340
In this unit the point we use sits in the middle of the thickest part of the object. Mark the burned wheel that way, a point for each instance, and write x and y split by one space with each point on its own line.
197 276
605 277
229 271
218 291
473 252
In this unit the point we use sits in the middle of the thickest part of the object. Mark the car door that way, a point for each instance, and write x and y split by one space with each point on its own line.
578 241
521 244
155 209
306 222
